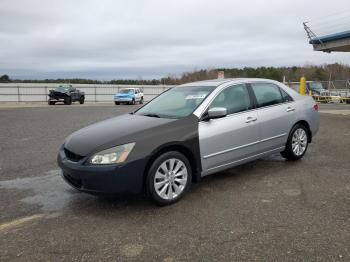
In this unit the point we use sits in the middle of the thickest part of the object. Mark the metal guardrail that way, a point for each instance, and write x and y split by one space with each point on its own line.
37 92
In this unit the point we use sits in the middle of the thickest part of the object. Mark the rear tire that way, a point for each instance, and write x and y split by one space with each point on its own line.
132 102
297 143
68 100
168 178
116 103
82 100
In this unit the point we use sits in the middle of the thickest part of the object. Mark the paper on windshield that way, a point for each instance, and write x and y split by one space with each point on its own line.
195 96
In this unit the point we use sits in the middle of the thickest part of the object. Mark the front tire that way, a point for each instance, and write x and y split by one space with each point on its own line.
82 100
116 103
168 178
297 143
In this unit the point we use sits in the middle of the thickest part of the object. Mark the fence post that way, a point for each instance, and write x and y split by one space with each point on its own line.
95 93
46 94
18 95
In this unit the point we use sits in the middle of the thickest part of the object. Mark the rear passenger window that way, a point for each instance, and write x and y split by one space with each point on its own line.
267 94
286 97
234 98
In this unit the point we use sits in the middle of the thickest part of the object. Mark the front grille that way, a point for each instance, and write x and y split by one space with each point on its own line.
72 156
58 94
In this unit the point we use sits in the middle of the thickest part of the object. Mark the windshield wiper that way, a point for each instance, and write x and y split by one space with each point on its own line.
152 115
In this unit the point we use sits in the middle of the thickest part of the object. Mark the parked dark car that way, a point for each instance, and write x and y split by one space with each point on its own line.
66 94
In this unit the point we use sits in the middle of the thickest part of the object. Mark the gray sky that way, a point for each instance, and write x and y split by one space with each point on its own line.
110 39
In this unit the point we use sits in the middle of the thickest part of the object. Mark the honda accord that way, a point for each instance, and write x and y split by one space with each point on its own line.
190 131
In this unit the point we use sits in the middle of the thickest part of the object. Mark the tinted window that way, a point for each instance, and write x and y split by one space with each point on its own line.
316 86
267 94
126 91
286 97
62 89
235 99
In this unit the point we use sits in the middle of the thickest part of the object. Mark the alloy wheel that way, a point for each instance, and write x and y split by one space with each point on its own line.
299 142
170 179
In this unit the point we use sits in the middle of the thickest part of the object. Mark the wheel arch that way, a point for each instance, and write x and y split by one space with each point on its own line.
195 166
307 126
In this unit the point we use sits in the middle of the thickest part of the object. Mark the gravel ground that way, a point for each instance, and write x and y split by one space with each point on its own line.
267 210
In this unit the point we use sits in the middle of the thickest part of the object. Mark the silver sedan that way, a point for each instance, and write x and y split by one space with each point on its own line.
188 132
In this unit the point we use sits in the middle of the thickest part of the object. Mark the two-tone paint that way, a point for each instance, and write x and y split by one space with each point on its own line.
210 146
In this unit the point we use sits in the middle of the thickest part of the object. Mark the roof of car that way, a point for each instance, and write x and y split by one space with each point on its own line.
217 82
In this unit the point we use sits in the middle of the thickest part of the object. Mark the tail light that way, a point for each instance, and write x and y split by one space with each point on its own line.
316 107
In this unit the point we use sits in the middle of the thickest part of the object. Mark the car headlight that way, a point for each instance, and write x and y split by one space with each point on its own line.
112 155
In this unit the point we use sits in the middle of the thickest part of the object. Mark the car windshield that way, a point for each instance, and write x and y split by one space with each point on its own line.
62 88
177 102
126 91
316 86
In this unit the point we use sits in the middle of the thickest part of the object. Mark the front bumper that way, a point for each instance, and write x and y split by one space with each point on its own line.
56 99
103 180
123 99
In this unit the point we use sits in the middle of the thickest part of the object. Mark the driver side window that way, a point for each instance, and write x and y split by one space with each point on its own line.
234 98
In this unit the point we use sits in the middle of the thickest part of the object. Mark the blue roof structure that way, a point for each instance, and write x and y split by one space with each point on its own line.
331 37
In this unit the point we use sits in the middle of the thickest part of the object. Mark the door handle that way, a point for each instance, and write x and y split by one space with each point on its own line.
250 119
290 109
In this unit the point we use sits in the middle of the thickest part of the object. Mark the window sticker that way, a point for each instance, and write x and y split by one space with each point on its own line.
195 96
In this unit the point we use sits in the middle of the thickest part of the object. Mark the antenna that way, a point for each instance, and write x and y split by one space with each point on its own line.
312 37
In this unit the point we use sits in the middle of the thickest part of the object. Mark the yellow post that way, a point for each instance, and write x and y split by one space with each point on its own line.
302 86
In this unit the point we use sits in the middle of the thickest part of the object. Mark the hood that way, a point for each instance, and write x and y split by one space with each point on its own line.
111 132
124 94
57 92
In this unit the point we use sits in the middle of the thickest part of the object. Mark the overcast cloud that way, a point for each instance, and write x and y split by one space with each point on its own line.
112 39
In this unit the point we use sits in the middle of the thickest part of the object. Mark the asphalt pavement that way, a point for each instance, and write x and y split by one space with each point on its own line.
267 210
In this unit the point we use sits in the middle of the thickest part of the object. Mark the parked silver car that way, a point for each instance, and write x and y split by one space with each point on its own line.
188 132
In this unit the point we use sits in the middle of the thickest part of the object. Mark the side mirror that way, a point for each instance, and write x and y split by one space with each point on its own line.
216 112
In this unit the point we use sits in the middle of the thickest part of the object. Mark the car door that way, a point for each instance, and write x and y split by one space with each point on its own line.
228 140
276 114
73 93
137 94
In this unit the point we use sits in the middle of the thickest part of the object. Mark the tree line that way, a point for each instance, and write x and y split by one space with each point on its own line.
325 72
